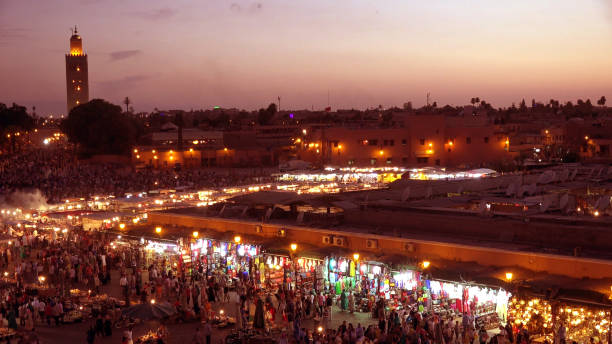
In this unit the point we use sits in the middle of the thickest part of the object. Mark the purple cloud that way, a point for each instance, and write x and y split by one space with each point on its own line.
158 14
124 54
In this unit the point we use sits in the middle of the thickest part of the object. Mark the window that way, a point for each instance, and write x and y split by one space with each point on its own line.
391 142
385 143
422 142
372 142
468 140
486 139
403 142
389 161
422 160
373 161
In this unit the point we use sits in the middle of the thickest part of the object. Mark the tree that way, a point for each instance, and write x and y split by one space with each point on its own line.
602 101
265 115
12 120
99 127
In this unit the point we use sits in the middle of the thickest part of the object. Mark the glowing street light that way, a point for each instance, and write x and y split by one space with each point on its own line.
152 301
293 247
426 264
509 276
158 230
196 234
356 256
320 329
237 239
122 226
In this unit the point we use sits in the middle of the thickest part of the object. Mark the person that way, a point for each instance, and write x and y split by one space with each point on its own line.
127 334
99 325
91 334
207 331
483 336
108 328
343 301
197 337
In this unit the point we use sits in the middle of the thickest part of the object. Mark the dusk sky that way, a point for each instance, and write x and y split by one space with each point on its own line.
183 54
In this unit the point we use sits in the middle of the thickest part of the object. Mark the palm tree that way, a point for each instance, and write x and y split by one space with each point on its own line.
602 101
127 103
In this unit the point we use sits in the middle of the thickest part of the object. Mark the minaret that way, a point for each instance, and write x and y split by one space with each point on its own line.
77 83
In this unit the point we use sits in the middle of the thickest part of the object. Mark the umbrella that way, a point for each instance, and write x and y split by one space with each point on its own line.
258 321
149 311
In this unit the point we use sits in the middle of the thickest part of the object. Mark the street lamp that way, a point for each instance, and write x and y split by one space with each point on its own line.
158 230
237 239
426 264
509 276
293 247
196 234
355 256
122 226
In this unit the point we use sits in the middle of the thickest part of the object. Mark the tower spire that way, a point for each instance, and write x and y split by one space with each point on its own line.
75 30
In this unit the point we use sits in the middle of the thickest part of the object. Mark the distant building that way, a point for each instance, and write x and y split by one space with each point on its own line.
418 140
77 82
199 148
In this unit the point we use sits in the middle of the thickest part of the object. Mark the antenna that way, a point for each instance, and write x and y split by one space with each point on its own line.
428 99
75 30
328 97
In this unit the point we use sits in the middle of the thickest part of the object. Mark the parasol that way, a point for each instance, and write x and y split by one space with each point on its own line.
149 311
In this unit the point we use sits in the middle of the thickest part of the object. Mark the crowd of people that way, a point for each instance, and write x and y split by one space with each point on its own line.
200 293
59 175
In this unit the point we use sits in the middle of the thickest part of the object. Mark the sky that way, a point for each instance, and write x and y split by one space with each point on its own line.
196 54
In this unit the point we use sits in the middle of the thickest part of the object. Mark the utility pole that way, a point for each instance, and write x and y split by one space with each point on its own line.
279 103
428 99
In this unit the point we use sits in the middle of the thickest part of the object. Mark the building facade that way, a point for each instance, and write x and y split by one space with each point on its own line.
419 140
77 81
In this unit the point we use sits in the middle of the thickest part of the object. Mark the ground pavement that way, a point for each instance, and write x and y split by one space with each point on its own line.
178 333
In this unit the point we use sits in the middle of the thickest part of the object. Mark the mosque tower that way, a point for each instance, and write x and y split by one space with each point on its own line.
77 83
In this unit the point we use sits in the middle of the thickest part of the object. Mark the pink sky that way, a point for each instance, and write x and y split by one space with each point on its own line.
245 53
